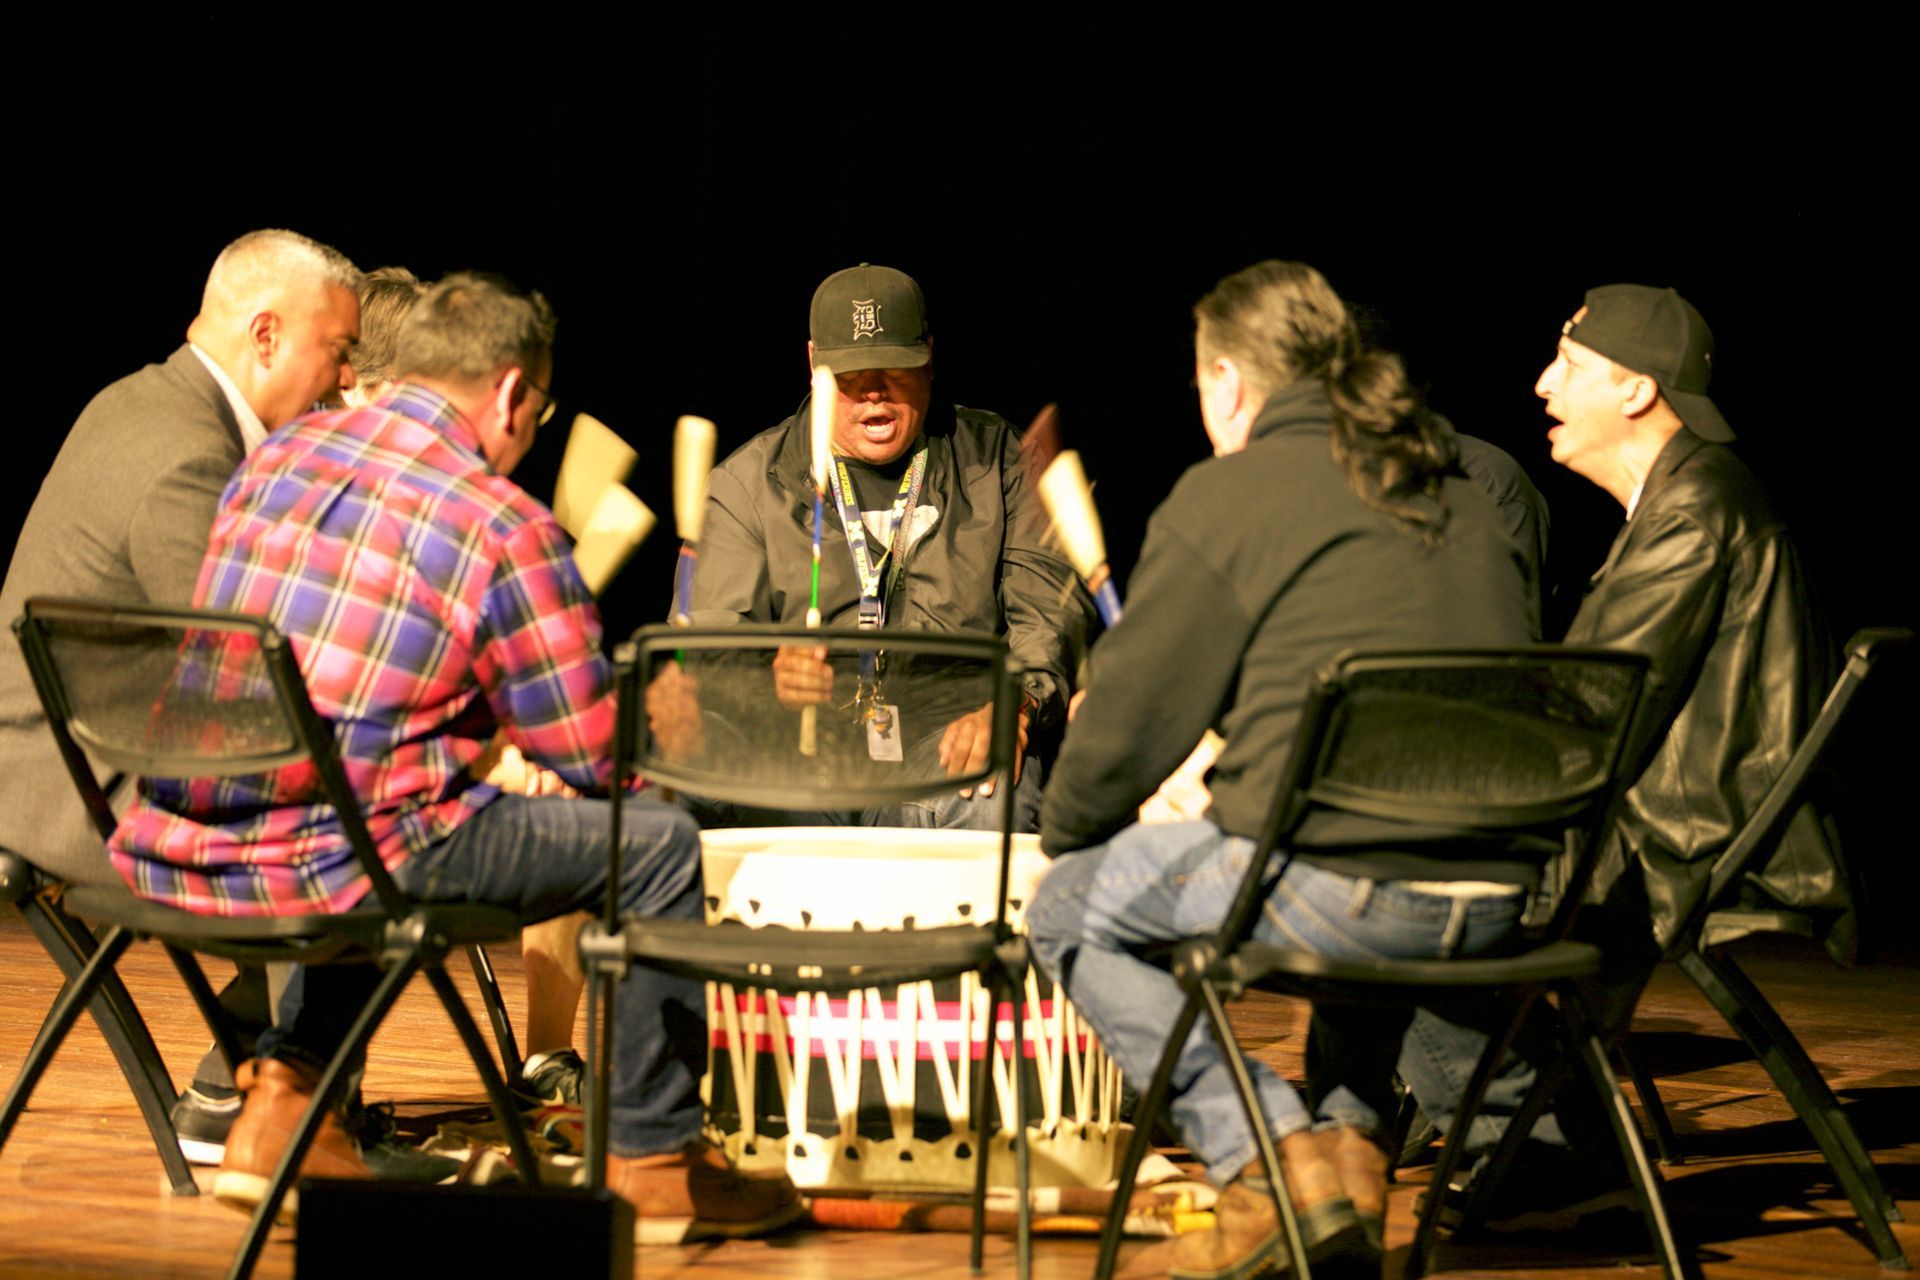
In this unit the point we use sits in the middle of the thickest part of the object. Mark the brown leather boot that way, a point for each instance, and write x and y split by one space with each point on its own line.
1247 1238
696 1194
1359 1156
278 1094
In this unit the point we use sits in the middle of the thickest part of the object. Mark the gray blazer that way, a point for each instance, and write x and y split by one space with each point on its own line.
123 515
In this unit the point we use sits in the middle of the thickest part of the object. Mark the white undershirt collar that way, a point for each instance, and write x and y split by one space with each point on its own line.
1634 500
252 430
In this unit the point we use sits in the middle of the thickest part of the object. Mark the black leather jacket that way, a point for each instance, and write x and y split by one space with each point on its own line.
1705 581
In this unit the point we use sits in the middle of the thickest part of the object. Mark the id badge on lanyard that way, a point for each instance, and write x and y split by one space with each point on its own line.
881 718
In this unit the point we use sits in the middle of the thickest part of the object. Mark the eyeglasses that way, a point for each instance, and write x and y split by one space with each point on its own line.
546 414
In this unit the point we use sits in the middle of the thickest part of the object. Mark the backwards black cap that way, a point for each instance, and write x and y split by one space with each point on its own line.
1659 333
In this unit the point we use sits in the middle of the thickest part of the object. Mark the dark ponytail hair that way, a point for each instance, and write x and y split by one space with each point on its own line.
1281 322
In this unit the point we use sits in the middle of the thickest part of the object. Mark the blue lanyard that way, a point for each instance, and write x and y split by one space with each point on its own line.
872 574
876 576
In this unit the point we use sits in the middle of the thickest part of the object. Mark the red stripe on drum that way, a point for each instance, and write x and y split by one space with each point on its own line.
935 1037
927 1048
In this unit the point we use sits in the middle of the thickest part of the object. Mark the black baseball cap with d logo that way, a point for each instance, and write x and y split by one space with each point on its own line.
869 317
1659 333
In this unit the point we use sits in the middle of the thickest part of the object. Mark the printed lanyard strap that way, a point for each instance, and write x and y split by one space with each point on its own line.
876 577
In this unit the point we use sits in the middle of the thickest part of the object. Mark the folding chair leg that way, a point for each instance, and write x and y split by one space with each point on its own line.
70 944
208 1003
1145 1114
1748 1012
1023 1229
496 1006
1518 1127
600 997
1665 1142
74 997
496 1086
1626 1133
1262 1130
332 1084
977 1240
1403 1117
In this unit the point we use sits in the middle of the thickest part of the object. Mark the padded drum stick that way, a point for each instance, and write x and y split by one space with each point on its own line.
692 462
615 528
820 427
596 458
1069 501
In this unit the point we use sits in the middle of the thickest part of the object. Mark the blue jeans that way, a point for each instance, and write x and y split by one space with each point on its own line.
1438 1056
1099 907
540 858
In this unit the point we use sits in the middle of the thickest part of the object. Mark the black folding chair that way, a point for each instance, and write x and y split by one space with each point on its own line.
747 750
219 696
1519 750
40 901
1700 948
70 943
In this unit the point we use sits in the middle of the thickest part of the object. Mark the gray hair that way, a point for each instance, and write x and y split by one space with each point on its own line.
261 261
470 326
386 300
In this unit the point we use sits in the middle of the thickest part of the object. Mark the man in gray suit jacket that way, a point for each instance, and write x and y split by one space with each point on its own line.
125 512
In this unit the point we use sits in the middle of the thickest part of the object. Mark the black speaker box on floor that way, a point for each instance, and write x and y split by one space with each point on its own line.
365 1230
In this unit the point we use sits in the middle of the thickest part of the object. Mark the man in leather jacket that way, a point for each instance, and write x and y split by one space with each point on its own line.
1703 579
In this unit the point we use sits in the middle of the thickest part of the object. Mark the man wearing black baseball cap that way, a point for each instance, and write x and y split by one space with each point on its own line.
947 535
1704 579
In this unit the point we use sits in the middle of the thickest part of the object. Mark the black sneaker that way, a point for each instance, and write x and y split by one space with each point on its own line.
1555 1192
388 1155
551 1079
201 1119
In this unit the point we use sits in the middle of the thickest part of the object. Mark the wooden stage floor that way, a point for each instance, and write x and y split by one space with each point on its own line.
81 1193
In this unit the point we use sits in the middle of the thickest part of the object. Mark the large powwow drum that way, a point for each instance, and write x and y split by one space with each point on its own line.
875 1089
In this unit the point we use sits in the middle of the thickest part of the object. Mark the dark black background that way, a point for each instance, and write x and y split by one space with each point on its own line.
1063 200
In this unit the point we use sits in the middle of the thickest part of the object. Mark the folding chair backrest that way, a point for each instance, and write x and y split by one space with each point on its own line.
183 694
747 748
1769 820
698 712
1518 750
1492 741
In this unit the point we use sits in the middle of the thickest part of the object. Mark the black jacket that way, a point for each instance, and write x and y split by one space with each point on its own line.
1704 580
982 566
1259 567
1523 511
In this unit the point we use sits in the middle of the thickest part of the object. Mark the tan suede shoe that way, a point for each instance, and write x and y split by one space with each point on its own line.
1247 1239
1359 1156
277 1095
695 1194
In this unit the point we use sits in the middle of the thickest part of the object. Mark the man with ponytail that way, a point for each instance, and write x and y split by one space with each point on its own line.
1333 518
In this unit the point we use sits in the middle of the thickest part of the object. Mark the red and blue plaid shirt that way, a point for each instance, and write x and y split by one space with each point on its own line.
429 601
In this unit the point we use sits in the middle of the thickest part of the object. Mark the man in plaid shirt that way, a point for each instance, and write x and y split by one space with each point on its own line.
433 603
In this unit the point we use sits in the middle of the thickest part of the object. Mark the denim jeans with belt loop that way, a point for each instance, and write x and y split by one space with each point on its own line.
1098 907
544 857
